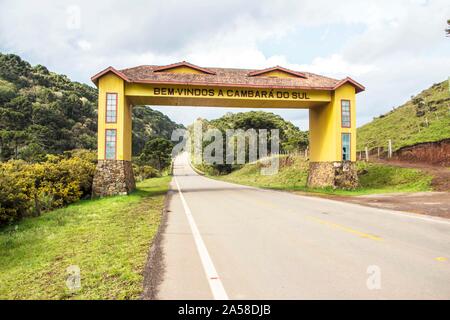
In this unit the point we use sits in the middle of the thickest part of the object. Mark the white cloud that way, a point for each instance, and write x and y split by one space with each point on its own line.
398 47
84 45
335 65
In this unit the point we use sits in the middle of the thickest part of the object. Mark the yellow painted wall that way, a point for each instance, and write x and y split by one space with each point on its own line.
183 69
325 127
141 93
277 74
127 130
322 133
110 83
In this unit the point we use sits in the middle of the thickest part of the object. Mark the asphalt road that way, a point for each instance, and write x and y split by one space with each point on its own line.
224 240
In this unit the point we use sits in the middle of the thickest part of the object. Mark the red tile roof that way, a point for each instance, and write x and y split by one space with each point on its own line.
183 63
109 69
263 71
227 77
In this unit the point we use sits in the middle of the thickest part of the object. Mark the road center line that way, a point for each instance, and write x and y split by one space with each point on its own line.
214 282
346 229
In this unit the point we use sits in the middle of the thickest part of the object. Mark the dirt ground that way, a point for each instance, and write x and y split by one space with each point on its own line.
441 175
434 203
429 203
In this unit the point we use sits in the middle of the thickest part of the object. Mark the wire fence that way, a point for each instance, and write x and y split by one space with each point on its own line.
380 152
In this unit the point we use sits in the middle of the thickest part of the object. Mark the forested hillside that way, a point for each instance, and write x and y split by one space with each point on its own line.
43 112
291 137
150 123
424 118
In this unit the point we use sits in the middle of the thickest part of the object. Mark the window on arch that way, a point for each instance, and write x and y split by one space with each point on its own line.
346 142
345 114
110 144
111 107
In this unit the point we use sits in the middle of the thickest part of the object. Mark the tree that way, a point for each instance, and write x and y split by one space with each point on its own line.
7 91
157 153
148 123
14 69
448 28
33 152
16 114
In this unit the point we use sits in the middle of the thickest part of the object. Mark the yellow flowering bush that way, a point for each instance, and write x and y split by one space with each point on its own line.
27 189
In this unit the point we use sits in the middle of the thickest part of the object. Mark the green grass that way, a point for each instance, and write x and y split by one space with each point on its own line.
292 176
380 178
107 238
405 128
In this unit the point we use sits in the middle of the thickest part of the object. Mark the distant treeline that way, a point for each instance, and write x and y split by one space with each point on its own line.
291 138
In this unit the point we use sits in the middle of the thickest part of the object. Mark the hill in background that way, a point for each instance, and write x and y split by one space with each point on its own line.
424 118
291 137
44 112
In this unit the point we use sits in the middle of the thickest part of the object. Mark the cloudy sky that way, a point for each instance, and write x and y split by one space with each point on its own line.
395 48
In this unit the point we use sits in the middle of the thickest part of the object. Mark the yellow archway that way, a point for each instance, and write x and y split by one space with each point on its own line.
331 105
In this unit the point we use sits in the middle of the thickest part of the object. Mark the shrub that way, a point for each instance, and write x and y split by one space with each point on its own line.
144 172
15 188
83 154
157 152
29 188
33 152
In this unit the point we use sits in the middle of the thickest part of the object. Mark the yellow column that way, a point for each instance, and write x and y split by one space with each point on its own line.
346 92
325 140
114 176
325 127
323 133
110 83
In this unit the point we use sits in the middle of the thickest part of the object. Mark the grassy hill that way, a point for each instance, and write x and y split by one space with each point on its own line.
424 118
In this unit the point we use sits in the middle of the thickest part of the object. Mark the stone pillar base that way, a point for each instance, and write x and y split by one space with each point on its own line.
338 175
113 177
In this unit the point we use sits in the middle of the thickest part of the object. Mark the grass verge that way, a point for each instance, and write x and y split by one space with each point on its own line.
293 174
108 239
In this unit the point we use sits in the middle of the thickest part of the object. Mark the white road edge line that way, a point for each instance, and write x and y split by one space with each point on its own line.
215 284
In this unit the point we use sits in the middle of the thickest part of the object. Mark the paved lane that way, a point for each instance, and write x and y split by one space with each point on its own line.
226 240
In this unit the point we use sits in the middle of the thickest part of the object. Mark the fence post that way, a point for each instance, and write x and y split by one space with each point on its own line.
389 148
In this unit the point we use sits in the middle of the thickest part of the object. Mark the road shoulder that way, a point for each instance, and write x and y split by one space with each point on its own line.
436 204
154 268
